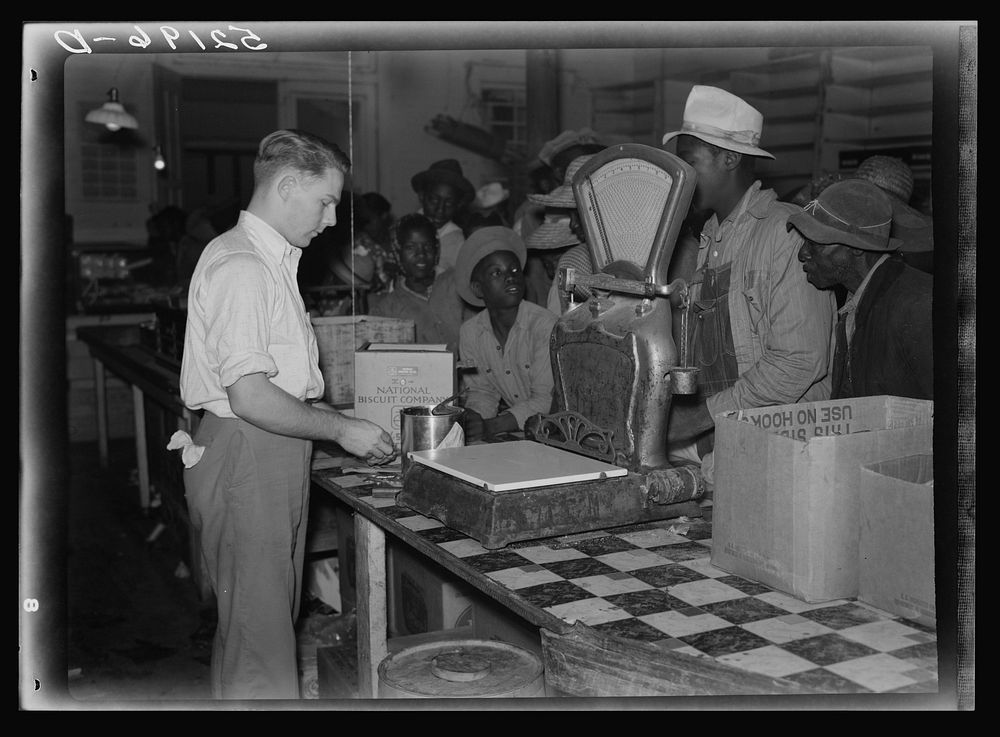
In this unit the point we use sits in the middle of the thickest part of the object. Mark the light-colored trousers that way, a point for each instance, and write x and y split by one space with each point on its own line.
248 498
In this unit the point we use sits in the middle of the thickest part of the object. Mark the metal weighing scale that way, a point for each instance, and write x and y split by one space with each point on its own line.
600 459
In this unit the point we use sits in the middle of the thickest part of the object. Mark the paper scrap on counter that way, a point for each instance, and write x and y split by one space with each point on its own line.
351 480
354 465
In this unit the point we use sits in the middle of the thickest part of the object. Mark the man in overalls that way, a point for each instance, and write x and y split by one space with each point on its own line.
760 333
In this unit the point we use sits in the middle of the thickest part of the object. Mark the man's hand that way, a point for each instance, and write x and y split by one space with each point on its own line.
366 440
258 401
688 419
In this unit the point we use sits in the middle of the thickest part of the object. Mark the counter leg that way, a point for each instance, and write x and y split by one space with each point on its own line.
371 604
139 416
102 413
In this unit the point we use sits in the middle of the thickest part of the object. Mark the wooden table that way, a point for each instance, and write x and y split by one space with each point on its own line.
116 348
620 668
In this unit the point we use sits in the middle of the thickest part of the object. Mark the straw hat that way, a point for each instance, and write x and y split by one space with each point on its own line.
892 175
554 232
723 119
852 213
565 140
888 173
446 171
478 245
562 196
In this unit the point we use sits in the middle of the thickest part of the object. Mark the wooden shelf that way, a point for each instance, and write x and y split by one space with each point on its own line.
835 97
874 112
794 62
785 119
791 92
886 80
634 110
626 86
870 142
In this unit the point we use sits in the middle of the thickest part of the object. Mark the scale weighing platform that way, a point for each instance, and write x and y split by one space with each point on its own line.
498 493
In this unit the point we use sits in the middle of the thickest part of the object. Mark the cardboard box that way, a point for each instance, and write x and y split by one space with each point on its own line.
787 478
339 337
388 378
423 596
896 551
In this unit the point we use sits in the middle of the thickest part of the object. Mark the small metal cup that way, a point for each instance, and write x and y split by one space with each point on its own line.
684 379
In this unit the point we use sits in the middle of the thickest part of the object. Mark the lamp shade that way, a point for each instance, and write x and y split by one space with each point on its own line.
112 114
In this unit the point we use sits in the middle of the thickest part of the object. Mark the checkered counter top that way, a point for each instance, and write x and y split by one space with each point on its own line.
655 582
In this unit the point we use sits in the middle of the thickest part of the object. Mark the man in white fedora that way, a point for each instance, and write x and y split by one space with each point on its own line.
760 333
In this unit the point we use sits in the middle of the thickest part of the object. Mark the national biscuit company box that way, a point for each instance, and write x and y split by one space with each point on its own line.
391 377
338 337
787 487
896 552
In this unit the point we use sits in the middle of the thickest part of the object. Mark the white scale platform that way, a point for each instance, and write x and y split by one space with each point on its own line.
514 465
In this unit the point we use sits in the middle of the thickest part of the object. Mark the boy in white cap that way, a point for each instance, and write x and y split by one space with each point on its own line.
761 333
508 342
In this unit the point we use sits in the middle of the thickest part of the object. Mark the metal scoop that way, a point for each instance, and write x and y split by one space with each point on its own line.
439 408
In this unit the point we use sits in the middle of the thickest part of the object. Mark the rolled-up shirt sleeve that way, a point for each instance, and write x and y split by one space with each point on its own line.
237 339
794 321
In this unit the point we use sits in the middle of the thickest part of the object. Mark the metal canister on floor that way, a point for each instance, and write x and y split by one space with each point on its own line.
461 669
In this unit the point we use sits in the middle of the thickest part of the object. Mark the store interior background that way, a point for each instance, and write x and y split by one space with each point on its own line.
822 104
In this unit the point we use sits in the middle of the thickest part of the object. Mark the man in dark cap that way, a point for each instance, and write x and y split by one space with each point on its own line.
884 342
443 191
508 342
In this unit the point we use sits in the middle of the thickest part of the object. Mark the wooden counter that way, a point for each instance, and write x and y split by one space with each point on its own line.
157 413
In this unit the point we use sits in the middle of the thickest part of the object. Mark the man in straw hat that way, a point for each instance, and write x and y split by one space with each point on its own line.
564 236
548 170
761 333
914 229
443 192
884 343
508 342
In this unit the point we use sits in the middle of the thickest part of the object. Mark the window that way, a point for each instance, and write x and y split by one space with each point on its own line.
108 161
504 115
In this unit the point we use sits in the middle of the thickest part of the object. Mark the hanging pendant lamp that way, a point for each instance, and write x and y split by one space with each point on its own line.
112 114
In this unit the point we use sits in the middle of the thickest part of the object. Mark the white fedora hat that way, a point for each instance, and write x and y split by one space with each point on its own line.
723 119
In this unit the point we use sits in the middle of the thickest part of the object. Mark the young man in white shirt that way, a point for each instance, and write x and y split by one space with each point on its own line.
251 363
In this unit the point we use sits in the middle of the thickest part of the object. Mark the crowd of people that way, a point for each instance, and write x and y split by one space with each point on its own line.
792 300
